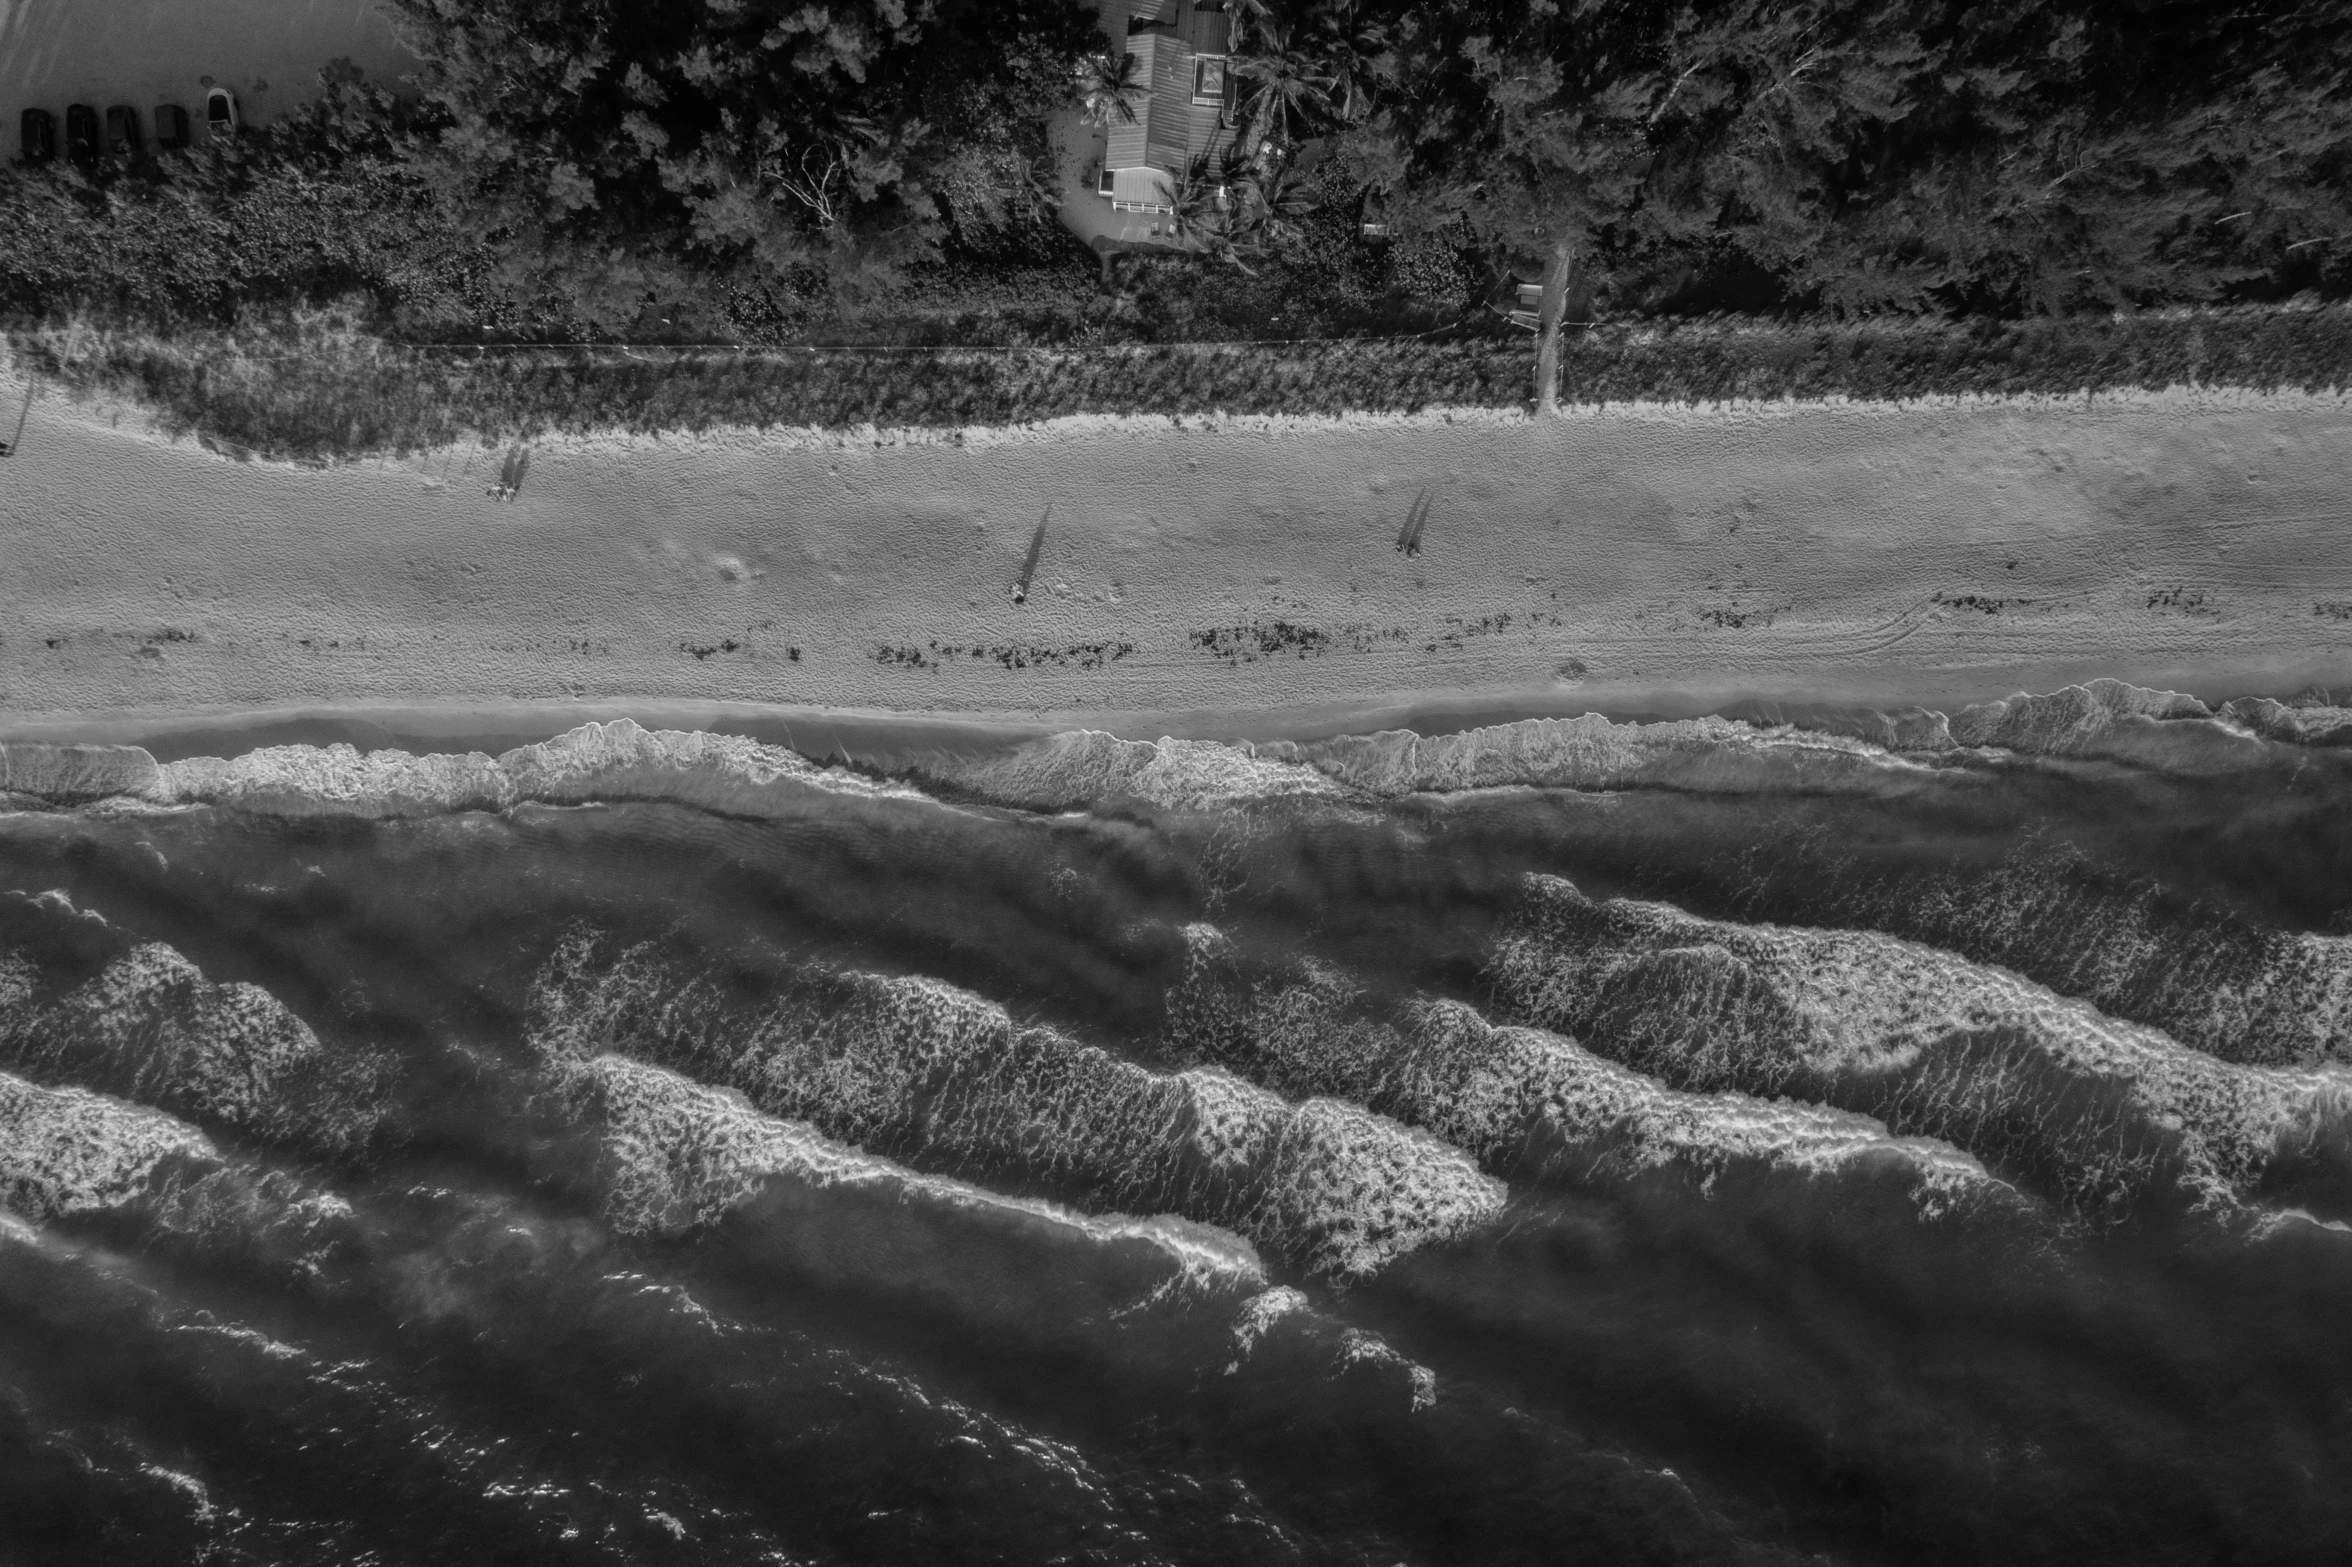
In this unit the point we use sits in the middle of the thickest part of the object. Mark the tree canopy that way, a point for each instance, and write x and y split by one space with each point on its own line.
623 152
1865 155
747 167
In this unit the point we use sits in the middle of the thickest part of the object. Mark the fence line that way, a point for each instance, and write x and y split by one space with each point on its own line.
635 349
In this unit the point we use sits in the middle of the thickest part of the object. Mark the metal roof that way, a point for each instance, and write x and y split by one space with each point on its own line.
1143 188
1170 130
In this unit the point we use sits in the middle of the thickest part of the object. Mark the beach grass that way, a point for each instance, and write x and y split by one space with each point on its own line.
313 387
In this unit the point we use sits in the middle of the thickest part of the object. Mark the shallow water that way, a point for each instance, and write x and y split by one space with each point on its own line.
1881 1159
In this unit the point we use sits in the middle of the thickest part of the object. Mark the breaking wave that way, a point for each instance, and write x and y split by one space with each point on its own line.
2101 1114
915 1068
1761 750
68 1150
150 1026
2232 988
850 1181
1529 1101
1593 752
1084 767
614 761
1850 750
680 1155
81 1003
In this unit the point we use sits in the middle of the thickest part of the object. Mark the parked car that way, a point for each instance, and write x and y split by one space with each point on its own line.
122 131
38 130
220 112
81 133
171 127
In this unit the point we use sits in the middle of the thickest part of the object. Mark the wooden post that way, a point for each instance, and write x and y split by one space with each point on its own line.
1547 341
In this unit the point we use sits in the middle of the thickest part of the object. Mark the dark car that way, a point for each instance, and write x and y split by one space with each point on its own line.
81 133
122 131
171 127
220 112
38 130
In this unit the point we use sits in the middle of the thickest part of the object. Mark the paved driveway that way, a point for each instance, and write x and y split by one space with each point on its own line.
146 52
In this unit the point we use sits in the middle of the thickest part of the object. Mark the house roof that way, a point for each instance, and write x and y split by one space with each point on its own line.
1143 188
1126 146
1170 130
1165 121
1203 32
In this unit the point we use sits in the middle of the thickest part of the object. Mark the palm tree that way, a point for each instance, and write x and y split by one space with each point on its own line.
1284 85
1268 208
1204 213
1109 88
1349 42
1249 16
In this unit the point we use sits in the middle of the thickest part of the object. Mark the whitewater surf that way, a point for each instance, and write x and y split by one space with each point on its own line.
1817 1133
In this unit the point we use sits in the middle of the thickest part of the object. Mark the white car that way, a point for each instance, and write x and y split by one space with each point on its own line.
220 112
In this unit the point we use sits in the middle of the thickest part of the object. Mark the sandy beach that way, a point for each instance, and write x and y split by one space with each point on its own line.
1629 560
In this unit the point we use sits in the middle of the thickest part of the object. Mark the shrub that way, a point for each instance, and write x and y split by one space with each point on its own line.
317 387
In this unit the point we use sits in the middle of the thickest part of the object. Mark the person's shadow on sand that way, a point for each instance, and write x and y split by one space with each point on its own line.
1409 536
1029 566
511 474
9 446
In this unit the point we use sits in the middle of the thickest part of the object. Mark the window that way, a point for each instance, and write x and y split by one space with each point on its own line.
1208 78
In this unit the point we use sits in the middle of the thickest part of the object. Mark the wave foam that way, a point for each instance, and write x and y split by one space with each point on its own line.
74 774
681 1154
2110 719
1085 767
68 1150
2104 1113
1529 1099
1282 1322
916 1068
2316 724
151 1027
2233 989
1593 752
619 760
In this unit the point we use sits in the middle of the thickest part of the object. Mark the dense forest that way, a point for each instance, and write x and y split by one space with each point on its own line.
763 170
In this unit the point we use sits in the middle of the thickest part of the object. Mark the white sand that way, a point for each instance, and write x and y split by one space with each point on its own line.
1659 557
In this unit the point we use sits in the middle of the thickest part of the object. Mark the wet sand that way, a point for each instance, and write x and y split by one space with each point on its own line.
1238 577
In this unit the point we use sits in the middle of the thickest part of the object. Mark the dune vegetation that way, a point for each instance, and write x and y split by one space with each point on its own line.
1859 197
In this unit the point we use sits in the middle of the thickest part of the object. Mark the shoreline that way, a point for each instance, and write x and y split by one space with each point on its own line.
873 736
786 771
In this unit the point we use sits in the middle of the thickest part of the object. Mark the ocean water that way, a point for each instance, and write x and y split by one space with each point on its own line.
1909 1139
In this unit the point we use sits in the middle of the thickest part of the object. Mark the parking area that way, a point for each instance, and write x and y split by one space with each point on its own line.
144 53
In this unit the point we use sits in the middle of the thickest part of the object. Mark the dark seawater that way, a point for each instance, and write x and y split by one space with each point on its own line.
1947 1162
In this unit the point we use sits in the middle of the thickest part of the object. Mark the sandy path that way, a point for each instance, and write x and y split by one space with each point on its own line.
1936 553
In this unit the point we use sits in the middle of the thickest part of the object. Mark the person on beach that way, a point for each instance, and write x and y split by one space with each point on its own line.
510 475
